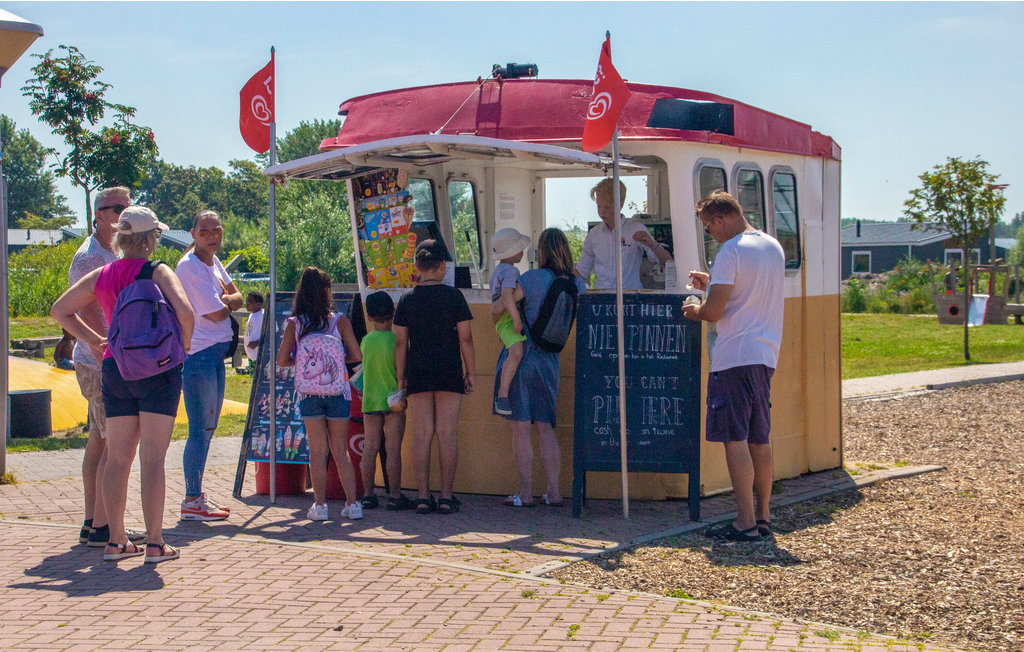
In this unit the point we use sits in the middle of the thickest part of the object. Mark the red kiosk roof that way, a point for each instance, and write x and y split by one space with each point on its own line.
552 111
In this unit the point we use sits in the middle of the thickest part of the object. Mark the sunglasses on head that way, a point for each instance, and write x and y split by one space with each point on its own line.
117 208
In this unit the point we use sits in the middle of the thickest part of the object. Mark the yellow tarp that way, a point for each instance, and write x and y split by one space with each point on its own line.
67 407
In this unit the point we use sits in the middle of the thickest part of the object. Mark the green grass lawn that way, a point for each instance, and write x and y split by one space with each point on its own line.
878 344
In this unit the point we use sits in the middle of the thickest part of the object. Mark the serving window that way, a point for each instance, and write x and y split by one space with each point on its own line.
785 214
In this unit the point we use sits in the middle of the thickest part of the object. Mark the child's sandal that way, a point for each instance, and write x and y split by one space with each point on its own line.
167 553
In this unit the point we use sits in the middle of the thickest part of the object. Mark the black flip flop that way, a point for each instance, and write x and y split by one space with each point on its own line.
764 528
729 532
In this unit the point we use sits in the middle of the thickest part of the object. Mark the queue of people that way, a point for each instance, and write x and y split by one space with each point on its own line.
419 354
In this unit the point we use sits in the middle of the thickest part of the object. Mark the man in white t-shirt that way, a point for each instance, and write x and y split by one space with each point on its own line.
96 251
213 296
598 254
253 325
744 302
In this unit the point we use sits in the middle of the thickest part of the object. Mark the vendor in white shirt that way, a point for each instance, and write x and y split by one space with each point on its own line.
598 255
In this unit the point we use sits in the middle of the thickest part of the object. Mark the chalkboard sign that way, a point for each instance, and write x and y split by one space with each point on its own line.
663 358
292 447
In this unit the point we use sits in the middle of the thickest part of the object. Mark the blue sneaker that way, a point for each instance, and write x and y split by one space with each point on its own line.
503 406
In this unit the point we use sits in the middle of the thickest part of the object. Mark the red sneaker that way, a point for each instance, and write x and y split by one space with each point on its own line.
202 509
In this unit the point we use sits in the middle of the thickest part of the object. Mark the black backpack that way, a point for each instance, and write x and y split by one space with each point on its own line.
550 331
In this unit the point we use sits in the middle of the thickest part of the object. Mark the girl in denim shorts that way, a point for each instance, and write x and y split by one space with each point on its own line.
324 414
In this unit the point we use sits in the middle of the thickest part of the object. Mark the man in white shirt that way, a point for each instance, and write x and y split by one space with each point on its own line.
599 246
213 296
744 302
253 325
96 251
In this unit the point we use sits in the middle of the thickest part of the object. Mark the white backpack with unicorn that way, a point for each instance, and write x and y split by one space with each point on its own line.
320 362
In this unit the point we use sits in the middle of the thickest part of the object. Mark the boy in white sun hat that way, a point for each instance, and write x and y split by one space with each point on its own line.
507 245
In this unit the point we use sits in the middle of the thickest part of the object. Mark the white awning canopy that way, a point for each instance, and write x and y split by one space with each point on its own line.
431 149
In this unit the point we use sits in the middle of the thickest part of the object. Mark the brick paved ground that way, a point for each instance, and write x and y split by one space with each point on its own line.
270 579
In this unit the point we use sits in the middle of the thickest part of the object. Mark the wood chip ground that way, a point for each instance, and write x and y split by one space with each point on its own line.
937 557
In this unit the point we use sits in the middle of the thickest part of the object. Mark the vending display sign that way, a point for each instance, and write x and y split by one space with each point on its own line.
384 215
663 358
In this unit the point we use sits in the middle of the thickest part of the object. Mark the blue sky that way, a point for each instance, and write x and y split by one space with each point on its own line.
899 86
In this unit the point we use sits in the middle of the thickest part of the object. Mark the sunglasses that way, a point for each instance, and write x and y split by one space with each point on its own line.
210 230
707 227
117 208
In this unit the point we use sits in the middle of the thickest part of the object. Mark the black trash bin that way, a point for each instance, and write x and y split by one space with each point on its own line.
30 413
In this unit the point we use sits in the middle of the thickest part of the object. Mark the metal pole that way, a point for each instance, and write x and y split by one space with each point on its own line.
5 412
272 304
620 328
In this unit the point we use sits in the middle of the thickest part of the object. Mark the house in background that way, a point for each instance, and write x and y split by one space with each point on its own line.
878 247
19 239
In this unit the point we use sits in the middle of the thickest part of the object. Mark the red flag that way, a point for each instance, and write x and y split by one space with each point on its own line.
257 108
610 95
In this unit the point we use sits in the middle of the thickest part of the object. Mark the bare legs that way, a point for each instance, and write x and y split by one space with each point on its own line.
323 435
750 470
550 457
435 415
508 370
393 425
123 436
93 463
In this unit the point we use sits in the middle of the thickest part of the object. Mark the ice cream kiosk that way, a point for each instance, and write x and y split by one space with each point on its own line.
458 162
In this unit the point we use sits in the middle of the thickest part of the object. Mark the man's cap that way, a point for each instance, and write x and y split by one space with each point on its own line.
431 250
508 242
379 304
139 219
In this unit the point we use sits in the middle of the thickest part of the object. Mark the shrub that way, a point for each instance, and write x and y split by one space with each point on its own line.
37 276
854 297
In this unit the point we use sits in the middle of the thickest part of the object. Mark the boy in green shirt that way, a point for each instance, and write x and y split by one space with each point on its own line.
380 380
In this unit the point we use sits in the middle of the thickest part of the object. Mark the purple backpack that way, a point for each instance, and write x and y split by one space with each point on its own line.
144 335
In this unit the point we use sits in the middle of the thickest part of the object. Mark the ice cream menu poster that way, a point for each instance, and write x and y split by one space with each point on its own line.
384 214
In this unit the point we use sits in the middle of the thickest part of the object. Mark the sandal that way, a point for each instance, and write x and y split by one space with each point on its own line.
370 501
399 504
764 528
167 553
122 551
516 500
425 505
551 503
448 505
729 532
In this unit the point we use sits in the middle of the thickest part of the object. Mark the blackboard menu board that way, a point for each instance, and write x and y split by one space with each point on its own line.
663 358
292 447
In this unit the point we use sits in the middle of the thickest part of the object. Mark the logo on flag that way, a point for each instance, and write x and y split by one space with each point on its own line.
256 110
609 96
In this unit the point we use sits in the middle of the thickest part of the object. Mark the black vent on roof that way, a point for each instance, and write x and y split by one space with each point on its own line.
671 113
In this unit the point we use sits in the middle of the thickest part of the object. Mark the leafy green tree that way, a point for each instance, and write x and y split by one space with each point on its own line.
302 141
1016 255
963 198
32 198
66 95
316 233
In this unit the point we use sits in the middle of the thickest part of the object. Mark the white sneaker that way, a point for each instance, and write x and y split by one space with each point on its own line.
317 512
352 511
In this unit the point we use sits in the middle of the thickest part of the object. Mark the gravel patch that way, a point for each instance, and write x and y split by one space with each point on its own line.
936 558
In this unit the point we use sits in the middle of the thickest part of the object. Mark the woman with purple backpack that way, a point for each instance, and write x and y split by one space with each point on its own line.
140 411
319 342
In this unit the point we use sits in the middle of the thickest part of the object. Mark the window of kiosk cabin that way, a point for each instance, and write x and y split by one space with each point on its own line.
861 262
786 218
710 178
750 195
465 223
424 222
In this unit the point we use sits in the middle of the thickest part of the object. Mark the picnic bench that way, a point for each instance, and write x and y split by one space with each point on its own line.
32 346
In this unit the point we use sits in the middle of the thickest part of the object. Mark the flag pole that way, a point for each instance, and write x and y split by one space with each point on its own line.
272 305
620 327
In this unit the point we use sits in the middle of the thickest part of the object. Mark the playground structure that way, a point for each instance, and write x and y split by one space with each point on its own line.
949 303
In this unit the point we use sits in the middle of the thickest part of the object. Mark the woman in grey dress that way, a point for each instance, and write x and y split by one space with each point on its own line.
534 389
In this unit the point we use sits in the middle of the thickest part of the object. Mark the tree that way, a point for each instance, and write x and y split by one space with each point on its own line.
961 197
66 95
32 199
1016 255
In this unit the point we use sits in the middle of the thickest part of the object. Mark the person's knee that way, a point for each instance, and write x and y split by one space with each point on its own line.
515 353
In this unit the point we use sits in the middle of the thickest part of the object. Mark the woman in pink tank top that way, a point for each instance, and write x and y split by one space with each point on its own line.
140 413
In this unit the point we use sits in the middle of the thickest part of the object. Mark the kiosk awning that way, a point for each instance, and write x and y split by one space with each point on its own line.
431 149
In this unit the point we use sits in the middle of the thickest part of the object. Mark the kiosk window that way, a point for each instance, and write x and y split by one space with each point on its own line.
422 191
787 223
750 195
710 179
465 222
